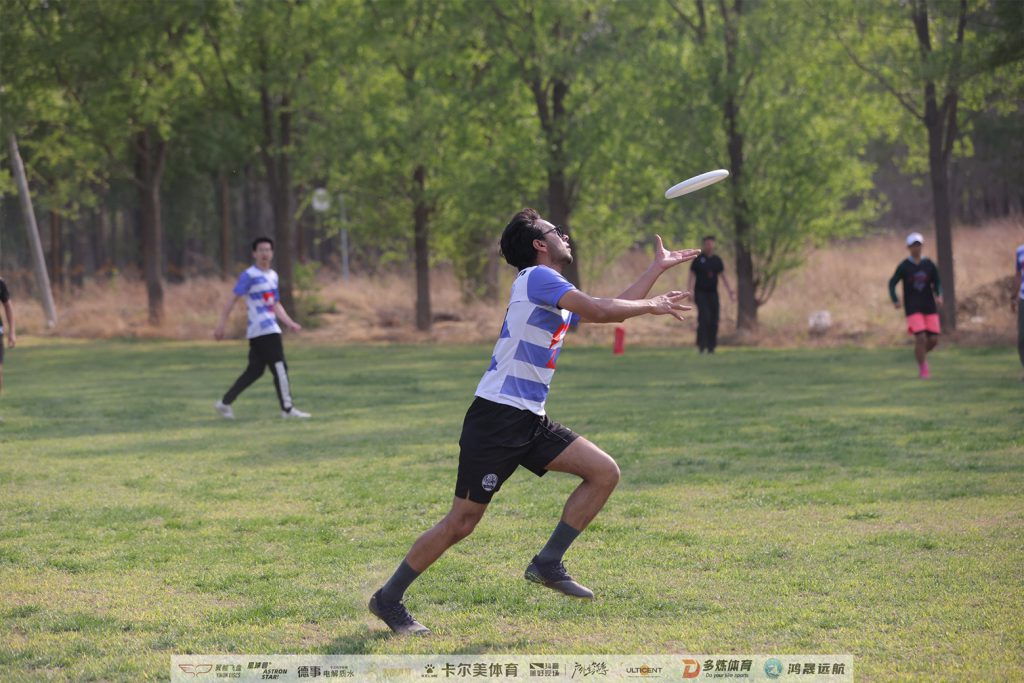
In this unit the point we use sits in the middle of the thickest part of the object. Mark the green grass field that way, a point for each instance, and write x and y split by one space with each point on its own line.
771 502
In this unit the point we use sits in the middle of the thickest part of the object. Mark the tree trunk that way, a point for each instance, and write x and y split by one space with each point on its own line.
35 244
118 239
151 153
101 238
281 205
938 171
940 122
225 225
746 294
746 287
81 264
276 163
421 232
559 199
560 208
56 249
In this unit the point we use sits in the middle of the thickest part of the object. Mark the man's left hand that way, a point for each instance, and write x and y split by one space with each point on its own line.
665 259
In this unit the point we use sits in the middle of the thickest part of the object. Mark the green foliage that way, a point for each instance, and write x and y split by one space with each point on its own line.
986 71
372 90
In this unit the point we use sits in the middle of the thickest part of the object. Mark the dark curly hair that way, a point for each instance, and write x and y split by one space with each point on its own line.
517 239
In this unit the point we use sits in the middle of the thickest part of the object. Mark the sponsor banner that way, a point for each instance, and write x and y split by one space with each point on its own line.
433 668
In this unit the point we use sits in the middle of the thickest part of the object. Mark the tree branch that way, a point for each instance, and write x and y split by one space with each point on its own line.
901 97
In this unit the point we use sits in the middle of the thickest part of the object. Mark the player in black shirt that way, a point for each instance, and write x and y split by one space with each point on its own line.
704 272
5 299
922 295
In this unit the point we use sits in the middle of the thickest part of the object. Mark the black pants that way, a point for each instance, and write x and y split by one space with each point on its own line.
264 351
1020 330
707 319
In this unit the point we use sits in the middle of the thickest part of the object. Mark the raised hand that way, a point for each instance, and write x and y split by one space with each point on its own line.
670 304
665 259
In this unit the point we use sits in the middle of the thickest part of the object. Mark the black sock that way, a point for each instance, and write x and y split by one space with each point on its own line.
394 589
560 540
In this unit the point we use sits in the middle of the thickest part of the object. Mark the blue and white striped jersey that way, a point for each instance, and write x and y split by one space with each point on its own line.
260 289
1020 268
531 338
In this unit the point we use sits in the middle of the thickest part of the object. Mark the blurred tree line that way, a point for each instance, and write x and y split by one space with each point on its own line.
160 137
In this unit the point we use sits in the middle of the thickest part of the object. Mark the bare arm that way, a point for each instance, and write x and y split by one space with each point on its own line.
728 287
11 334
600 310
218 332
283 315
663 260
1014 302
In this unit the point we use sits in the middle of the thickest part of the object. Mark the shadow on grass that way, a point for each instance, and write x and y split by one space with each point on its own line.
361 643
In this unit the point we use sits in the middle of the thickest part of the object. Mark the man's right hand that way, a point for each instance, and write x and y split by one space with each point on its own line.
669 303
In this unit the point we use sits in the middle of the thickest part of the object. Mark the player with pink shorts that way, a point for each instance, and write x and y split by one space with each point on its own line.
922 296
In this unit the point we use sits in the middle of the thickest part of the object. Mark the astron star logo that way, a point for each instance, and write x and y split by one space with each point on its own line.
196 669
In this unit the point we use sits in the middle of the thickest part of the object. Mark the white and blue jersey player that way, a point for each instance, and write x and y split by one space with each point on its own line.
258 286
507 426
1018 301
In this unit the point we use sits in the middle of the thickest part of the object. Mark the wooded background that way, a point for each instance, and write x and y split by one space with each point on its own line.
159 138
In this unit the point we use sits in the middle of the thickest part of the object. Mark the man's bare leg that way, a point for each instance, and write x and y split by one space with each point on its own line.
386 603
455 526
600 475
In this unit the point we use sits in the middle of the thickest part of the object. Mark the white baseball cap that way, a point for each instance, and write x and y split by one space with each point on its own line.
914 237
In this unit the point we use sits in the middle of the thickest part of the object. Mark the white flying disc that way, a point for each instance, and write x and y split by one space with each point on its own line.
695 183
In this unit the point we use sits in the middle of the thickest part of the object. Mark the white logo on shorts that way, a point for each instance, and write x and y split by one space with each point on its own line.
490 481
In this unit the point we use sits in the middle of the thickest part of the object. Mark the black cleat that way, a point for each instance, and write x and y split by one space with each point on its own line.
396 616
553 575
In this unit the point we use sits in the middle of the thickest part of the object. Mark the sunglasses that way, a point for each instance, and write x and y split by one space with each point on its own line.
557 230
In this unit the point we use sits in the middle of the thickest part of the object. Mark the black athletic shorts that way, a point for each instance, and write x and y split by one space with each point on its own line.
496 439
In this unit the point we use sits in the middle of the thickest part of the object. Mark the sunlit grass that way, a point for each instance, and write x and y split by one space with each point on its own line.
771 501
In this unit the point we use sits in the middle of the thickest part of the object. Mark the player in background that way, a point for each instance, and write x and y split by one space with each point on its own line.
258 284
922 295
506 425
1017 303
12 336
704 273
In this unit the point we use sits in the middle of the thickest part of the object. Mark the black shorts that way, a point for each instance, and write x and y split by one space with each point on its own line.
496 439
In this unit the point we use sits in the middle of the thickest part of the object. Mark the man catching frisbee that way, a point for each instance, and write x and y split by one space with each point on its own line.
922 294
506 425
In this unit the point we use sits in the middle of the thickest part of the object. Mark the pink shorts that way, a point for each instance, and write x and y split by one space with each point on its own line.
922 322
